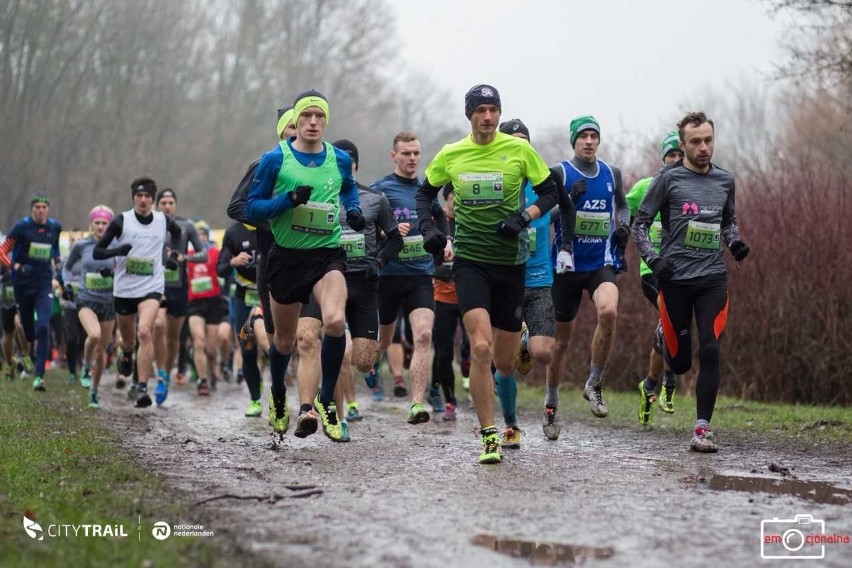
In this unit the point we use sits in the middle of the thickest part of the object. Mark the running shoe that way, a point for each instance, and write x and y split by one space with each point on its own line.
38 384
524 361
594 394
435 400
27 364
133 391
143 401
511 437
551 426
125 364
328 417
372 376
646 404
255 409
240 377
9 372
399 389
352 412
466 383
94 401
465 368
306 424
449 412
180 378
72 379
703 441
344 426
417 414
378 393
164 375
86 378
120 383
490 446
226 371
667 398
161 391
203 387
279 414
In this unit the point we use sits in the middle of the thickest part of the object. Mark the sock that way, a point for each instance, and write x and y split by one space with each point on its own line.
669 378
305 408
278 366
551 399
251 373
595 374
488 430
507 390
701 423
332 359
142 387
650 384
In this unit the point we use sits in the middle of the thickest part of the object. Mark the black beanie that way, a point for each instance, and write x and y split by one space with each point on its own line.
480 95
349 148
514 126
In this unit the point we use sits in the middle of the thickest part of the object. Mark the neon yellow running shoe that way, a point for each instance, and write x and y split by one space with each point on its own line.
667 398
417 414
646 404
329 419
27 363
279 415
255 409
490 446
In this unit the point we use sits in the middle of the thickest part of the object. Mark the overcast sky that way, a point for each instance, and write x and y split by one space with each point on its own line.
631 63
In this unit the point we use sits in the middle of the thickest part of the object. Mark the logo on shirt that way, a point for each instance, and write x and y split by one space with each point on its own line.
403 214
690 208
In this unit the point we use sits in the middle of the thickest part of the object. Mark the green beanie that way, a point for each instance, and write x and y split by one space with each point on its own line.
581 123
670 142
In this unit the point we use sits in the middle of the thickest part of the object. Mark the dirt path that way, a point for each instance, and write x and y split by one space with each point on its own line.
401 495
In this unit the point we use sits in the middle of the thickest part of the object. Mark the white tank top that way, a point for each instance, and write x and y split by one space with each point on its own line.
140 272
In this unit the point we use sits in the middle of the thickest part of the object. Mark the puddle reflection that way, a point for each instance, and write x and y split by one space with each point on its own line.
816 491
543 553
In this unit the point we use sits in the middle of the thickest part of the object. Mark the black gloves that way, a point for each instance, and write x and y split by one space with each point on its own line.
301 195
24 270
578 189
620 236
374 265
355 220
512 225
434 240
661 269
123 250
739 249
171 261
106 272
67 293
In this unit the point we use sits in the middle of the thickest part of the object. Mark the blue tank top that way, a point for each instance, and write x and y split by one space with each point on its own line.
595 221
539 268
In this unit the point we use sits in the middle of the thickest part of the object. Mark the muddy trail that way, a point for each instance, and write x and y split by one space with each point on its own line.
401 495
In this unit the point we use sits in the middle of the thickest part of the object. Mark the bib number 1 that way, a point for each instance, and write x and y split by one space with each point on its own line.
314 217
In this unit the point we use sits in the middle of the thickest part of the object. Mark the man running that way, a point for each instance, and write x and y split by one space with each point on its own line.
34 246
141 235
695 200
94 300
670 153
298 186
602 227
487 169
406 283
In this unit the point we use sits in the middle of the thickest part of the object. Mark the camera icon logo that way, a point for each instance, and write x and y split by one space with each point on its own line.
797 538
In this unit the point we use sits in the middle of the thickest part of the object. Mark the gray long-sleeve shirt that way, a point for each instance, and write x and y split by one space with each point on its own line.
92 286
697 214
362 247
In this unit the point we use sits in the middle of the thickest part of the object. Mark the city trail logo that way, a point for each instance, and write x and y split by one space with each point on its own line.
33 529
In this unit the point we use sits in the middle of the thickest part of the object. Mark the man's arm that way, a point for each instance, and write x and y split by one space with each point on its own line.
386 221
651 205
730 231
113 231
260 204
223 265
425 197
622 210
73 257
200 254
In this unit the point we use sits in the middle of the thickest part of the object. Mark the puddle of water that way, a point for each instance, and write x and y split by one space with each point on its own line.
816 491
543 553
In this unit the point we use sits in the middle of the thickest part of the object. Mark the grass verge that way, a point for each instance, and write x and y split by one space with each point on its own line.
59 466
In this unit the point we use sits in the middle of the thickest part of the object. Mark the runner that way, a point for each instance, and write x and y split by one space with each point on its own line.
34 245
73 332
487 169
601 232
298 186
695 199
141 235
94 301
206 311
406 283
670 153
175 306
13 334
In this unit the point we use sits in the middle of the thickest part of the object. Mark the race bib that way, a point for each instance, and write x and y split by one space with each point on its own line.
354 245
172 276
313 217
201 284
140 266
97 283
480 189
252 298
412 249
39 251
592 224
703 235
656 234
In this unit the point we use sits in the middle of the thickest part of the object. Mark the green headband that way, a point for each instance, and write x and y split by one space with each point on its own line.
670 142
309 101
285 120
581 123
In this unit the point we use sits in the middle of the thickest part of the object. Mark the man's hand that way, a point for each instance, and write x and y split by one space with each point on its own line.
374 266
620 236
564 262
434 241
106 272
739 250
172 262
661 269
123 250
241 260
301 195
512 225
578 189
355 220
404 228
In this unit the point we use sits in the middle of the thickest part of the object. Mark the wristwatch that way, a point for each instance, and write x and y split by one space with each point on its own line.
525 215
